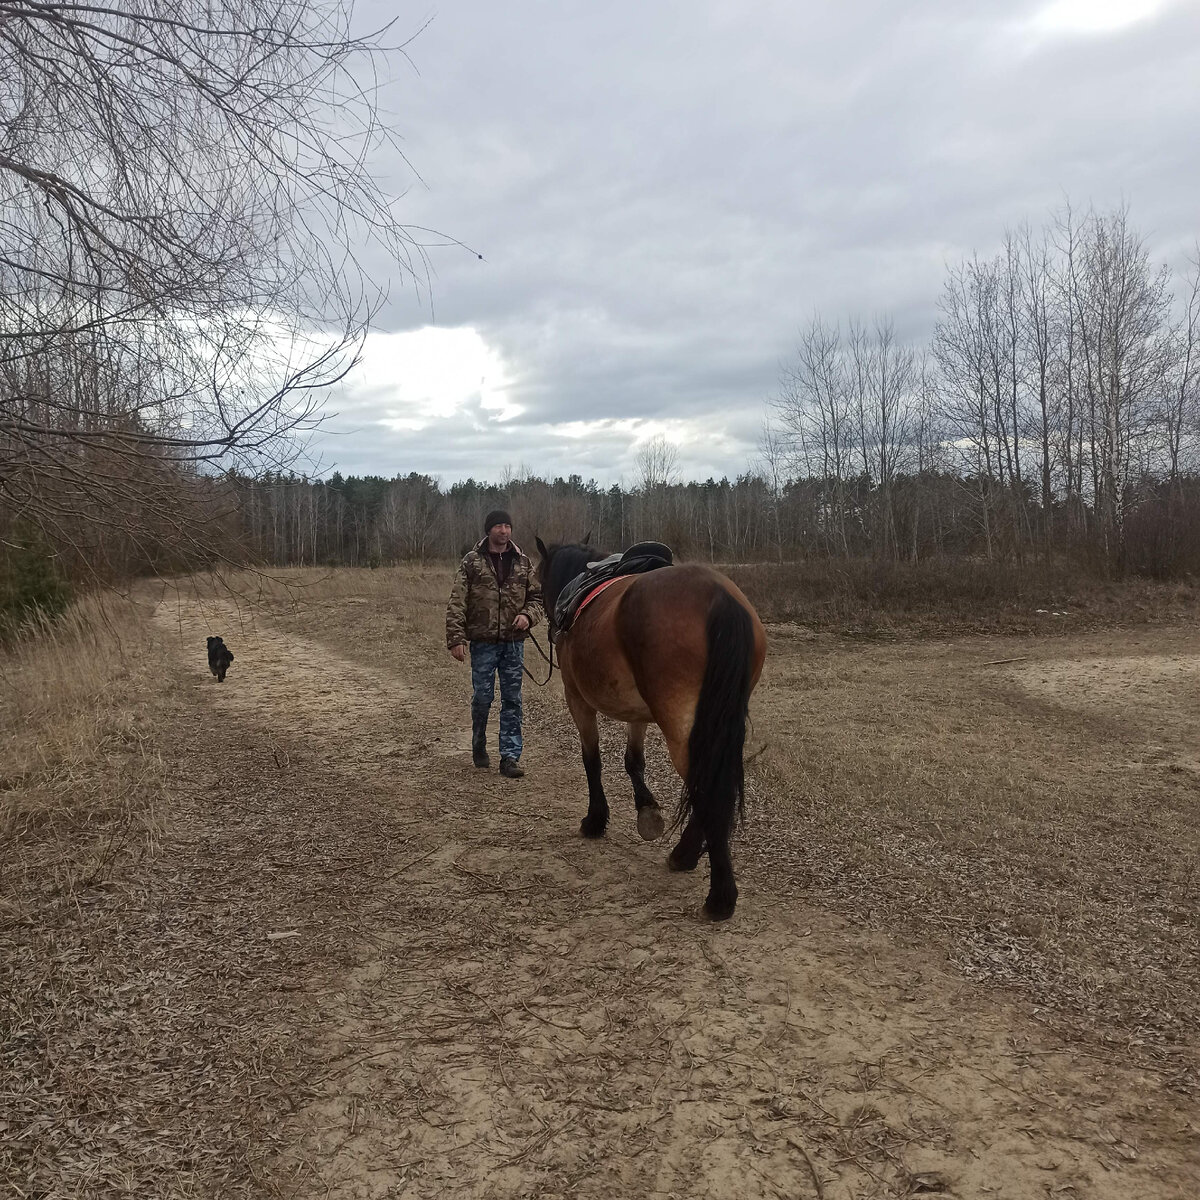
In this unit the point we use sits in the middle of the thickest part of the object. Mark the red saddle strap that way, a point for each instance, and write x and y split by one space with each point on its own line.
593 594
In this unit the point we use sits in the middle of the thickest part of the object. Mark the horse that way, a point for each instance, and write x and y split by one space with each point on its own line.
679 647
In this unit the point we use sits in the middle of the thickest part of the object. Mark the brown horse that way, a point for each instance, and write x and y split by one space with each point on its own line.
682 648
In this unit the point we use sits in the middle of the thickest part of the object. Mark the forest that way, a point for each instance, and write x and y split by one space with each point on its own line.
1052 416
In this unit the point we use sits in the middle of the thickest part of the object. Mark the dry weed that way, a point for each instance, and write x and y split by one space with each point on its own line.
914 792
151 1026
298 586
80 803
910 788
862 598
78 758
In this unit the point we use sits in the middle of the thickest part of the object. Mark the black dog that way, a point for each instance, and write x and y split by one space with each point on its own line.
219 658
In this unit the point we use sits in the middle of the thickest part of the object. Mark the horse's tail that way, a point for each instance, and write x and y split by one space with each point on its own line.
714 789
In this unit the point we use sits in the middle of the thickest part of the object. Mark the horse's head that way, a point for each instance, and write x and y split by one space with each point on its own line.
559 564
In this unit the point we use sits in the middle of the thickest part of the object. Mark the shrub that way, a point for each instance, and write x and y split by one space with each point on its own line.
865 597
30 584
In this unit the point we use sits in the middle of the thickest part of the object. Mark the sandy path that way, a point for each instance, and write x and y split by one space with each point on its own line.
532 1015
1156 694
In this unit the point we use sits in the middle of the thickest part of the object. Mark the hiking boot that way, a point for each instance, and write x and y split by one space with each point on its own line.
511 769
479 754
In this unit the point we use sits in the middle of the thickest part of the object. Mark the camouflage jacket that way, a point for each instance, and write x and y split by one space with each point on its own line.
480 610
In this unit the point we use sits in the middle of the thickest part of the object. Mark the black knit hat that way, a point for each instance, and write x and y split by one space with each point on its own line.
496 517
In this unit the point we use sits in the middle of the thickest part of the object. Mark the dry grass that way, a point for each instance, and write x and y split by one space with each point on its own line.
905 786
147 1042
81 780
1053 849
80 806
857 598
298 587
915 791
154 1032
866 599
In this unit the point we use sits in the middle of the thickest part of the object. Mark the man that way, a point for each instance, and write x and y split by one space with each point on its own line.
495 601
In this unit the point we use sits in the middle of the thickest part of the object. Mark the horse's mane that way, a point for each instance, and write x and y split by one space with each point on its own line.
565 562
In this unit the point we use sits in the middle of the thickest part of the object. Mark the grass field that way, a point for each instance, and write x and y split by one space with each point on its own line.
950 832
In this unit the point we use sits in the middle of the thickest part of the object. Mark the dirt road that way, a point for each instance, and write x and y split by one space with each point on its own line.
490 1006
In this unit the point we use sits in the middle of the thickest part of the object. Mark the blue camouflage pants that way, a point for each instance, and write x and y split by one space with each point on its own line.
506 659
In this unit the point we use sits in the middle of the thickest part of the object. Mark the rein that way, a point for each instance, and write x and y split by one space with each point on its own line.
550 635
549 658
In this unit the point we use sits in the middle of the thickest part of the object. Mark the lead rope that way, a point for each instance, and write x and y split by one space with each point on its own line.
549 658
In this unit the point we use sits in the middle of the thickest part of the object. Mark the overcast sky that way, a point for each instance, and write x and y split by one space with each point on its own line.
663 194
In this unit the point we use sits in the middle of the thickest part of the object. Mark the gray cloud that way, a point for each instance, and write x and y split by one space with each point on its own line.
664 194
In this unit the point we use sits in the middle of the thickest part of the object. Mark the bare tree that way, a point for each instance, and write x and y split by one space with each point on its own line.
816 419
408 518
960 346
1039 326
1181 399
658 463
184 193
886 373
658 470
772 468
846 405
1125 343
977 345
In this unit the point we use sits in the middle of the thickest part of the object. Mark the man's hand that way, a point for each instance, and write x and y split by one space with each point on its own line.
459 652
521 622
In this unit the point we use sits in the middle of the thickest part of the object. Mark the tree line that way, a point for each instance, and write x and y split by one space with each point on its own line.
1060 388
1054 412
372 521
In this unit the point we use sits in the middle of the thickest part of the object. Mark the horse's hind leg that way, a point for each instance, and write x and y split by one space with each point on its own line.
722 889
702 833
596 821
690 846
649 815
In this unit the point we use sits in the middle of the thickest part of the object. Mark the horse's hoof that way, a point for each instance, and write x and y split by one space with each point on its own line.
677 862
592 829
650 823
719 910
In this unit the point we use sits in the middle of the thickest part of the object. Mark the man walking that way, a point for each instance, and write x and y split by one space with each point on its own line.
495 601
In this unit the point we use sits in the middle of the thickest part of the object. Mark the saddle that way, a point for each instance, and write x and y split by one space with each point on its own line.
637 560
